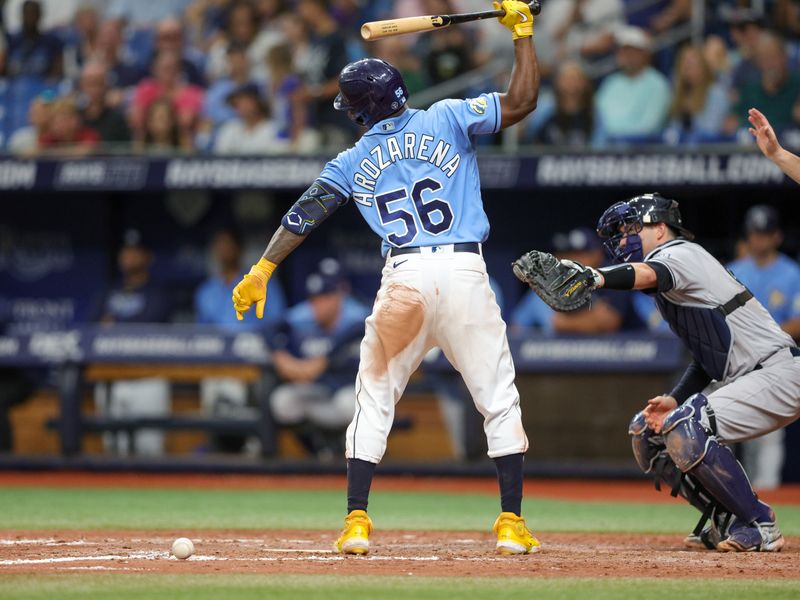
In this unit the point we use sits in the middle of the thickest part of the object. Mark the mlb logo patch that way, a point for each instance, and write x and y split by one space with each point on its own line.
388 126
479 105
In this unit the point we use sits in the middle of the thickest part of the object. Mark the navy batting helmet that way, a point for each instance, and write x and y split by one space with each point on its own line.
370 90
624 220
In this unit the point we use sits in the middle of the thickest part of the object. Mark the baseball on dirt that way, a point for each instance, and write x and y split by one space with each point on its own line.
182 548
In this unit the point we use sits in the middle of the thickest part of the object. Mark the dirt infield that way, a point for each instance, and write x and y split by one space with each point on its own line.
394 553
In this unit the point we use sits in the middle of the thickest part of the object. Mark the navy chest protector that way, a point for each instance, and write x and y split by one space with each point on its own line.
704 331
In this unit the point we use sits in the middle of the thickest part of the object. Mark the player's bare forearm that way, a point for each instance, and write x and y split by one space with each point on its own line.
792 327
282 245
523 90
789 163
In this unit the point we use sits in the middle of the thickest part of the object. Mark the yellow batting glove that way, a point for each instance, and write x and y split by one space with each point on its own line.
518 18
252 289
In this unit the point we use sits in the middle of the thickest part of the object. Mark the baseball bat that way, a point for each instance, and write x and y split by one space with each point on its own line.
376 30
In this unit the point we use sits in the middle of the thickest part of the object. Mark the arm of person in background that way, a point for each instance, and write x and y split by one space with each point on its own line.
298 370
770 147
678 11
523 90
601 318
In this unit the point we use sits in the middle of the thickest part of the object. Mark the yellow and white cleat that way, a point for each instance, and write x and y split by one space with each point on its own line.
355 535
513 537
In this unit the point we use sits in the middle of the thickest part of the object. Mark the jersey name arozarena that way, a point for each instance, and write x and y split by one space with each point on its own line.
408 146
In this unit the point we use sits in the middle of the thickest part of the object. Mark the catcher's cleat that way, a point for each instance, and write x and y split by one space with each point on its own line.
758 537
355 535
706 540
513 537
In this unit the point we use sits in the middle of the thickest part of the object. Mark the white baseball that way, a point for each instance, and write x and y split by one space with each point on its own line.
182 548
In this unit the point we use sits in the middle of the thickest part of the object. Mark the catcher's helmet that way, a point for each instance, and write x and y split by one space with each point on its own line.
626 219
370 90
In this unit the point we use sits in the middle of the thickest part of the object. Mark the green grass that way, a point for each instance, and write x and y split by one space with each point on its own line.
60 508
247 587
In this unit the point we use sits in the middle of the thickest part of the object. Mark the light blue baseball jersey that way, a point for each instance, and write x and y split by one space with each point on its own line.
776 285
414 177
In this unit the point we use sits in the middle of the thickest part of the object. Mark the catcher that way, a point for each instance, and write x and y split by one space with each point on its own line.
744 381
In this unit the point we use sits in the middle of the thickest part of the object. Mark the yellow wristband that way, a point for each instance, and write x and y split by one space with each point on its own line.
264 268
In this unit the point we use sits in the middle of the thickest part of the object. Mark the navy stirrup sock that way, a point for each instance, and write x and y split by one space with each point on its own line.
509 476
359 479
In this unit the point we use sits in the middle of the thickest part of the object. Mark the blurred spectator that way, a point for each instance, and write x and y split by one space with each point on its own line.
135 299
167 83
774 279
746 27
327 58
253 132
609 312
162 132
224 396
244 29
216 107
55 13
66 133
447 55
290 115
776 93
124 72
699 104
313 351
25 141
169 38
395 50
141 13
572 122
767 142
213 298
633 103
585 28
82 40
108 121
716 56
32 52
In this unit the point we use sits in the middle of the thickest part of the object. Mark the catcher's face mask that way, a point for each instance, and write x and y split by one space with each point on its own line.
620 226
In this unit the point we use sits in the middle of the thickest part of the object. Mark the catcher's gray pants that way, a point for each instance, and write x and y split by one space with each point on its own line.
758 402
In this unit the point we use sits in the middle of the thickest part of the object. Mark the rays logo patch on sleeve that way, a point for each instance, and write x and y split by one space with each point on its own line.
478 105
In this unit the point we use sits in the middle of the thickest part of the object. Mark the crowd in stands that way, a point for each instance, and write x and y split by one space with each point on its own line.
259 76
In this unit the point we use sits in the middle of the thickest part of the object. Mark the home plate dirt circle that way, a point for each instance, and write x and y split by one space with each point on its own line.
393 553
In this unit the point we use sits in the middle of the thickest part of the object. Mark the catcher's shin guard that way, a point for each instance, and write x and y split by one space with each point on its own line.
696 452
651 454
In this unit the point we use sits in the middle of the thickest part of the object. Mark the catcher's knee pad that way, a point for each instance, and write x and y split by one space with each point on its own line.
685 437
645 443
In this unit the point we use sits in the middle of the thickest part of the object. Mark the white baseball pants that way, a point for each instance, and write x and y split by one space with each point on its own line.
435 298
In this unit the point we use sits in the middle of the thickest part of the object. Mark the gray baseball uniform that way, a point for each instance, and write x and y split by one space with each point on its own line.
753 363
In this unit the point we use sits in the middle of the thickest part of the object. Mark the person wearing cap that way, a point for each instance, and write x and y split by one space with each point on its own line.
767 142
216 108
252 132
774 279
25 141
315 354
137 298
611 311
632 104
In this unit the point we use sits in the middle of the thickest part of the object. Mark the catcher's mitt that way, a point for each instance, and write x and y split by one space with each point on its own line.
564 285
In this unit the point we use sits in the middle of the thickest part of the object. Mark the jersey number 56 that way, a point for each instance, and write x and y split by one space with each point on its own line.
434 216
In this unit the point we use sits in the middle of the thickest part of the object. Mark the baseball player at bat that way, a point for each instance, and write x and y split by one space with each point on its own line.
743 382
413 177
